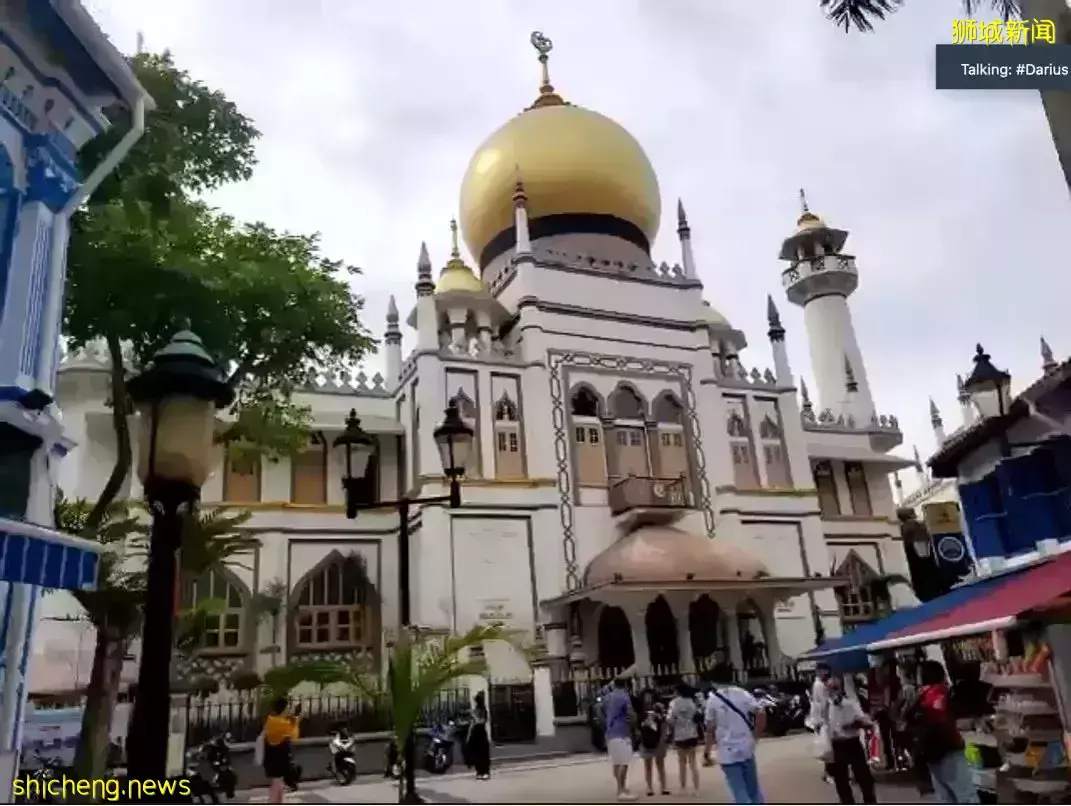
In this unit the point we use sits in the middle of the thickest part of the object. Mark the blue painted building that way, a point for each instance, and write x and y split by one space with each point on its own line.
58 76
1013 468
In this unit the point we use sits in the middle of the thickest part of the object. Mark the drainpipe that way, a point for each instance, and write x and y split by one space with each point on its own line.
57 251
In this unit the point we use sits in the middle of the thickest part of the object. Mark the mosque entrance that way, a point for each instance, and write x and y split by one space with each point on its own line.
513 712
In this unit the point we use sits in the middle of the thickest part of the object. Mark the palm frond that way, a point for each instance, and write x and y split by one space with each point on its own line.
1005 9
859 14
192 624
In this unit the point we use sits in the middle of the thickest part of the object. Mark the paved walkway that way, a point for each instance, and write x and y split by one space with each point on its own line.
787 769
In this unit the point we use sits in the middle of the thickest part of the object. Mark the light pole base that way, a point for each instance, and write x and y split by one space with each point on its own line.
411 797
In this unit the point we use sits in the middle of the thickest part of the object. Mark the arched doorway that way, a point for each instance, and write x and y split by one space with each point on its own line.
615 639
706 626
662 648
753 647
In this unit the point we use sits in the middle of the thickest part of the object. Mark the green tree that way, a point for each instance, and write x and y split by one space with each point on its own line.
862 14
114 607
145 255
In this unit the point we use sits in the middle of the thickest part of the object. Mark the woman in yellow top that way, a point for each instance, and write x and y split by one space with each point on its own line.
280 731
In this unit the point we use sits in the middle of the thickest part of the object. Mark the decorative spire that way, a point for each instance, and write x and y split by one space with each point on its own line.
807 219
804 209
850 383
805 398
935 415
425 287
1048 363
455 250
918 459
773 319
547 95
682 221
961 390
393 334
520 196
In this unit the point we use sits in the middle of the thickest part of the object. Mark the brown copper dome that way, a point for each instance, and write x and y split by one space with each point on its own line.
668 554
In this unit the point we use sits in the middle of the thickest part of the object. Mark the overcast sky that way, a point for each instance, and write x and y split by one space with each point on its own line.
955 203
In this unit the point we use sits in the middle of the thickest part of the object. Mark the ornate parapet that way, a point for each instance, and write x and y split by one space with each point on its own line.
826 420
736 375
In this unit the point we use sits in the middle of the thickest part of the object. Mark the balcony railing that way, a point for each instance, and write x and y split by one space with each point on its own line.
647 492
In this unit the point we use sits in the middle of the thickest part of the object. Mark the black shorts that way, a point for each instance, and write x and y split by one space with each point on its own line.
686 744
276 760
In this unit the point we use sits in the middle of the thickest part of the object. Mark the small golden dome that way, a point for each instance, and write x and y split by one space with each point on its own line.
456 275
571 160
809 221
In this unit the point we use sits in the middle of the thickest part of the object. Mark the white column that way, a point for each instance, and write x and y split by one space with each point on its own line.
831 338
19 618
769 630
544 699
26 300
680 604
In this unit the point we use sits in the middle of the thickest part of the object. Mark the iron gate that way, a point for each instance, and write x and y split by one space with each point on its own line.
513 712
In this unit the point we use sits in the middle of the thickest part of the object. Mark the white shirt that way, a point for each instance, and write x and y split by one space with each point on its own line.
819 699
733 735
840 715
682 711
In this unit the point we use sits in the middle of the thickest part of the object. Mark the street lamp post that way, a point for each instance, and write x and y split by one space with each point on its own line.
987 379
176 397
454 439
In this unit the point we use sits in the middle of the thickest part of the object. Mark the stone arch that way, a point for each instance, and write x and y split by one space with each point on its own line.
668 409
506 409
626 403
754 640
706 628
615 647
326 606
585 401
662 647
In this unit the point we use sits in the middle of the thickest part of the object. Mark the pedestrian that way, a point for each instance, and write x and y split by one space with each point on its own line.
619 718
281 730
479 742
819 701
843 719
735 718
684 720
939 744
654 740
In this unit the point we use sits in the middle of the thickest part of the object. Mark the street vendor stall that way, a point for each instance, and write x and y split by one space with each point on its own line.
1020 633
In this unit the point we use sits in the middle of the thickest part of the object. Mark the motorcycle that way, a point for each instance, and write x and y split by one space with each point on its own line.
201 789
439 755
217 752
395 762
343 766
775 706
596 723
48 770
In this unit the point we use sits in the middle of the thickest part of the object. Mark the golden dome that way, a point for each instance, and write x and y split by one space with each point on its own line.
809 221
571 161
456 275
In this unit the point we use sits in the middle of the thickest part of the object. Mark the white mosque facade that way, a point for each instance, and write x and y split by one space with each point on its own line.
639 495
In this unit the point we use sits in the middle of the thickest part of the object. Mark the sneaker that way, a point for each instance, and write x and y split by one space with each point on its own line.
626 797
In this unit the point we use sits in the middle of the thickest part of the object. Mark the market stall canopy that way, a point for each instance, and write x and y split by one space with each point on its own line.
849 652
1031 589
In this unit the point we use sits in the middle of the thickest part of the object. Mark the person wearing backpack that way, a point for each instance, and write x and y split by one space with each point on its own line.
735 718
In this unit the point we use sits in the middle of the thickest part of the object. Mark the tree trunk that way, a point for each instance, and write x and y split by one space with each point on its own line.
121 426
101 696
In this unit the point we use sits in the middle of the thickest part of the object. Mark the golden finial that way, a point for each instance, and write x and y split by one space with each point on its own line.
803 201
547 95
807 219
455 252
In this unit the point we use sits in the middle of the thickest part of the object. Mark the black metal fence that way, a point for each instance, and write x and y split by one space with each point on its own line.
244 718
575 689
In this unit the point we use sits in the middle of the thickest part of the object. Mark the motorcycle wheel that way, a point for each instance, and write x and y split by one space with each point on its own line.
344 775
442 762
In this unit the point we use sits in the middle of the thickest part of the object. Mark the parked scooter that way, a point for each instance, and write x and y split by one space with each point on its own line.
201 789
48 770
217 752
343 765
439 755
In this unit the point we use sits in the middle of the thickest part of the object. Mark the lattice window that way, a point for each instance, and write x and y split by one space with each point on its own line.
505 410
223 629
771 439
740 444
587 437
336 608
856 599
585 403
826 485
858 491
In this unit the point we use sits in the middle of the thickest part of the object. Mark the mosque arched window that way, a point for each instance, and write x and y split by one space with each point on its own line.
466 407
672 450
772 444
337 607
826 485
628 454
856 598
741 446
858 491
509 459
225 623
588 451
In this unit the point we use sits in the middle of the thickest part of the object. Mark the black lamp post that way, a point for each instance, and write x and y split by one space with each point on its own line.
987 379
176 397
454 439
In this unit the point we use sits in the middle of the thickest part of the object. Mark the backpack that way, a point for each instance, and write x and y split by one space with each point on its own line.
651 733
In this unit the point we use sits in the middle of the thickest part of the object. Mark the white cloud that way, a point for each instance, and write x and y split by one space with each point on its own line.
370 112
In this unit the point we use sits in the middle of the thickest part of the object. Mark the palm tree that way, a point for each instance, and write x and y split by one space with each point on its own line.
114 607
421 665
861 14
268 604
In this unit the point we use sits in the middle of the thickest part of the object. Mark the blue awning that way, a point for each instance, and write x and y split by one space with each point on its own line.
35 555
848 652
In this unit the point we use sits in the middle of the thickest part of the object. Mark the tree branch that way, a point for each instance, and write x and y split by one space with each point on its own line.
121 426
241 371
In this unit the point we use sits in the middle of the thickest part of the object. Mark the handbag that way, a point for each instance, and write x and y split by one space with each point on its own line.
258 750
823 744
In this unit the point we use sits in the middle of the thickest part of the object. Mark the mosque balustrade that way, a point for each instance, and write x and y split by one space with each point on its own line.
648 492
844 264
